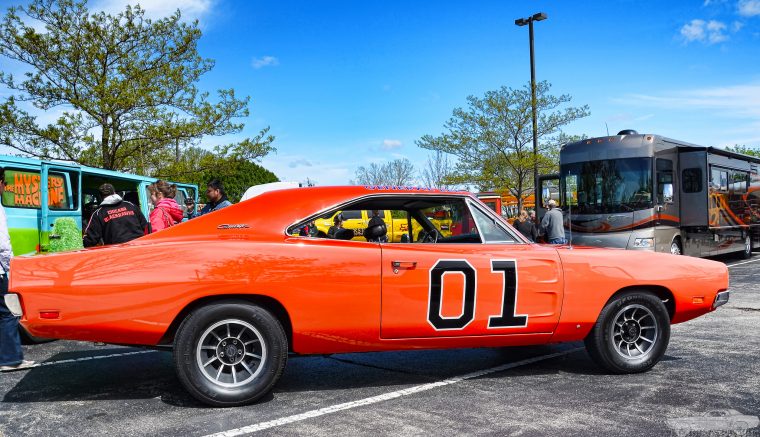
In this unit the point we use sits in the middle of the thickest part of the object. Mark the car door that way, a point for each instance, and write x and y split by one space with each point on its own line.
497 286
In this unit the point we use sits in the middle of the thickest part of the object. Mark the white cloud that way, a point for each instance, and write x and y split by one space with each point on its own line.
302 162
749 8
154 9
391 144
737 100
736 26
694 31
265 61
711 31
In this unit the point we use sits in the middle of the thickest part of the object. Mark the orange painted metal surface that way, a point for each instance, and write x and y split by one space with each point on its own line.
339 296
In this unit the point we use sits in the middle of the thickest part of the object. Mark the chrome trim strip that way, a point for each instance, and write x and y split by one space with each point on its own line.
14 304
721 299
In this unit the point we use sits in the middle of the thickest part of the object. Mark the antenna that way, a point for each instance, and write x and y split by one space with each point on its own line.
608 128
569 210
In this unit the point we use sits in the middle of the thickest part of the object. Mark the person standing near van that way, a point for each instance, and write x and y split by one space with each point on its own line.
166 211
11 354
115 221
217 199
552 224
526 226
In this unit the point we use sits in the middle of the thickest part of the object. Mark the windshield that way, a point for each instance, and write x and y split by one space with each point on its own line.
607 186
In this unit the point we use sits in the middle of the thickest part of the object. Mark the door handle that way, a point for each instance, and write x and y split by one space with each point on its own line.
405 264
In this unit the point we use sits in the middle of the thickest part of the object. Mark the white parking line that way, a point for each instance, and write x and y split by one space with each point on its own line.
744 262
74 360
383 397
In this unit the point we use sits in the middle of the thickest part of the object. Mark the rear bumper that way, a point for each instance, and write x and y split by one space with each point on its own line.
14 304
720 299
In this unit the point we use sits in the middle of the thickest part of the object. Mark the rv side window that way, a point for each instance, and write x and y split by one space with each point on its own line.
719 180
738 181
692 180
664 178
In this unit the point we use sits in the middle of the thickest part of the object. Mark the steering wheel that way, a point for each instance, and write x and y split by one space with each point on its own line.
430 237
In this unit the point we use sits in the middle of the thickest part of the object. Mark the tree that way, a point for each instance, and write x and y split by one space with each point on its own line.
232 164
437 171
397 173
747 150
125 86
492 139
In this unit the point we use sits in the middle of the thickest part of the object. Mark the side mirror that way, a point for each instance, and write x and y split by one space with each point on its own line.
667 193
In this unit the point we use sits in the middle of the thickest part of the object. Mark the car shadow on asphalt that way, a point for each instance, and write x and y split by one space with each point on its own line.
151 375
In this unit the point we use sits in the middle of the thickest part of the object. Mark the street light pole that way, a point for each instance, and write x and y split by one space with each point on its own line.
522 22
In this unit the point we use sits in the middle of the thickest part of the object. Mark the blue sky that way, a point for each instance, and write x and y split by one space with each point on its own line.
346 83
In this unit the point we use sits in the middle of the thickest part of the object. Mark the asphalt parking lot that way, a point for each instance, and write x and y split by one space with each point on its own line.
707 384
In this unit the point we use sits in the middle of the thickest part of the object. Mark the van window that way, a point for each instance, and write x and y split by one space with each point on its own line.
23 190
692 180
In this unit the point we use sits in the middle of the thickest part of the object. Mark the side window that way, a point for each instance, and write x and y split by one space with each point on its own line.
664 180
489 230
692 180
738 181
719 180
23 190
352 214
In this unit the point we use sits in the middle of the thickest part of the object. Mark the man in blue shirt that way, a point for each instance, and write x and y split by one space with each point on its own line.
217 199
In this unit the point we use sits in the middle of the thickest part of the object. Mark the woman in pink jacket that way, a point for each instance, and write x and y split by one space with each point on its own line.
166 211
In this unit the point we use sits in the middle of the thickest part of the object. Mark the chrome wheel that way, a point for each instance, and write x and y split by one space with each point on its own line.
230 353
675 248
634 331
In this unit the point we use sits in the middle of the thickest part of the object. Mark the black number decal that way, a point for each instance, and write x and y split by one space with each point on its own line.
508 318
436 294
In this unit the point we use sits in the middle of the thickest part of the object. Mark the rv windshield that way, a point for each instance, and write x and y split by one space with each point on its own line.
607 186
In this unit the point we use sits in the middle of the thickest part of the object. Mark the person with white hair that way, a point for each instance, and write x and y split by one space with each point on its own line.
552 224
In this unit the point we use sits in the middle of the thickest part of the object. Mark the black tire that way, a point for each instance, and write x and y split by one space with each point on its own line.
747 251
608 348
197 341
675 247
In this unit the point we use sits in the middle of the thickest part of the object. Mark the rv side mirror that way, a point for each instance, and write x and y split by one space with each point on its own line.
667 193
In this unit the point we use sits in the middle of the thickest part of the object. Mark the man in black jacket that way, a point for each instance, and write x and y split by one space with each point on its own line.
115 221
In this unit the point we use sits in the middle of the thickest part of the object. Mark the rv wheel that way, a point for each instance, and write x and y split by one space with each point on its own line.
747 247
675 247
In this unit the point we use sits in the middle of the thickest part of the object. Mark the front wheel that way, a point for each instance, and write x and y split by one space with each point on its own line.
747 253
230 353
631 333
675 247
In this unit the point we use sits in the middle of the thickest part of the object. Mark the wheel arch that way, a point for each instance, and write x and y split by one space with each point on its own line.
269 303
665 295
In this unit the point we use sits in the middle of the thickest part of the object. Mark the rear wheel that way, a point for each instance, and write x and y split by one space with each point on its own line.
230 353
631 333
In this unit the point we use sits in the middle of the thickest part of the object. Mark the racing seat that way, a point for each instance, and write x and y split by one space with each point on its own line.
344 234
376 233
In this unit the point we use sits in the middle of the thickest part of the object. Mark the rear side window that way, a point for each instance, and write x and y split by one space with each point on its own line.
23 190
692 180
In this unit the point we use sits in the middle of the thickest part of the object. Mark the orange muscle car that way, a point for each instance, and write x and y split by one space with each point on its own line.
234 292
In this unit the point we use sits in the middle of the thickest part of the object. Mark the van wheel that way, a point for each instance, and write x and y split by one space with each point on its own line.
747 247
675 247
230 353
631 333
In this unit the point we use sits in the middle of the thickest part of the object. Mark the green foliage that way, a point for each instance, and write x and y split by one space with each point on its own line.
228 164
126 86
493 138
746 150
70 235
